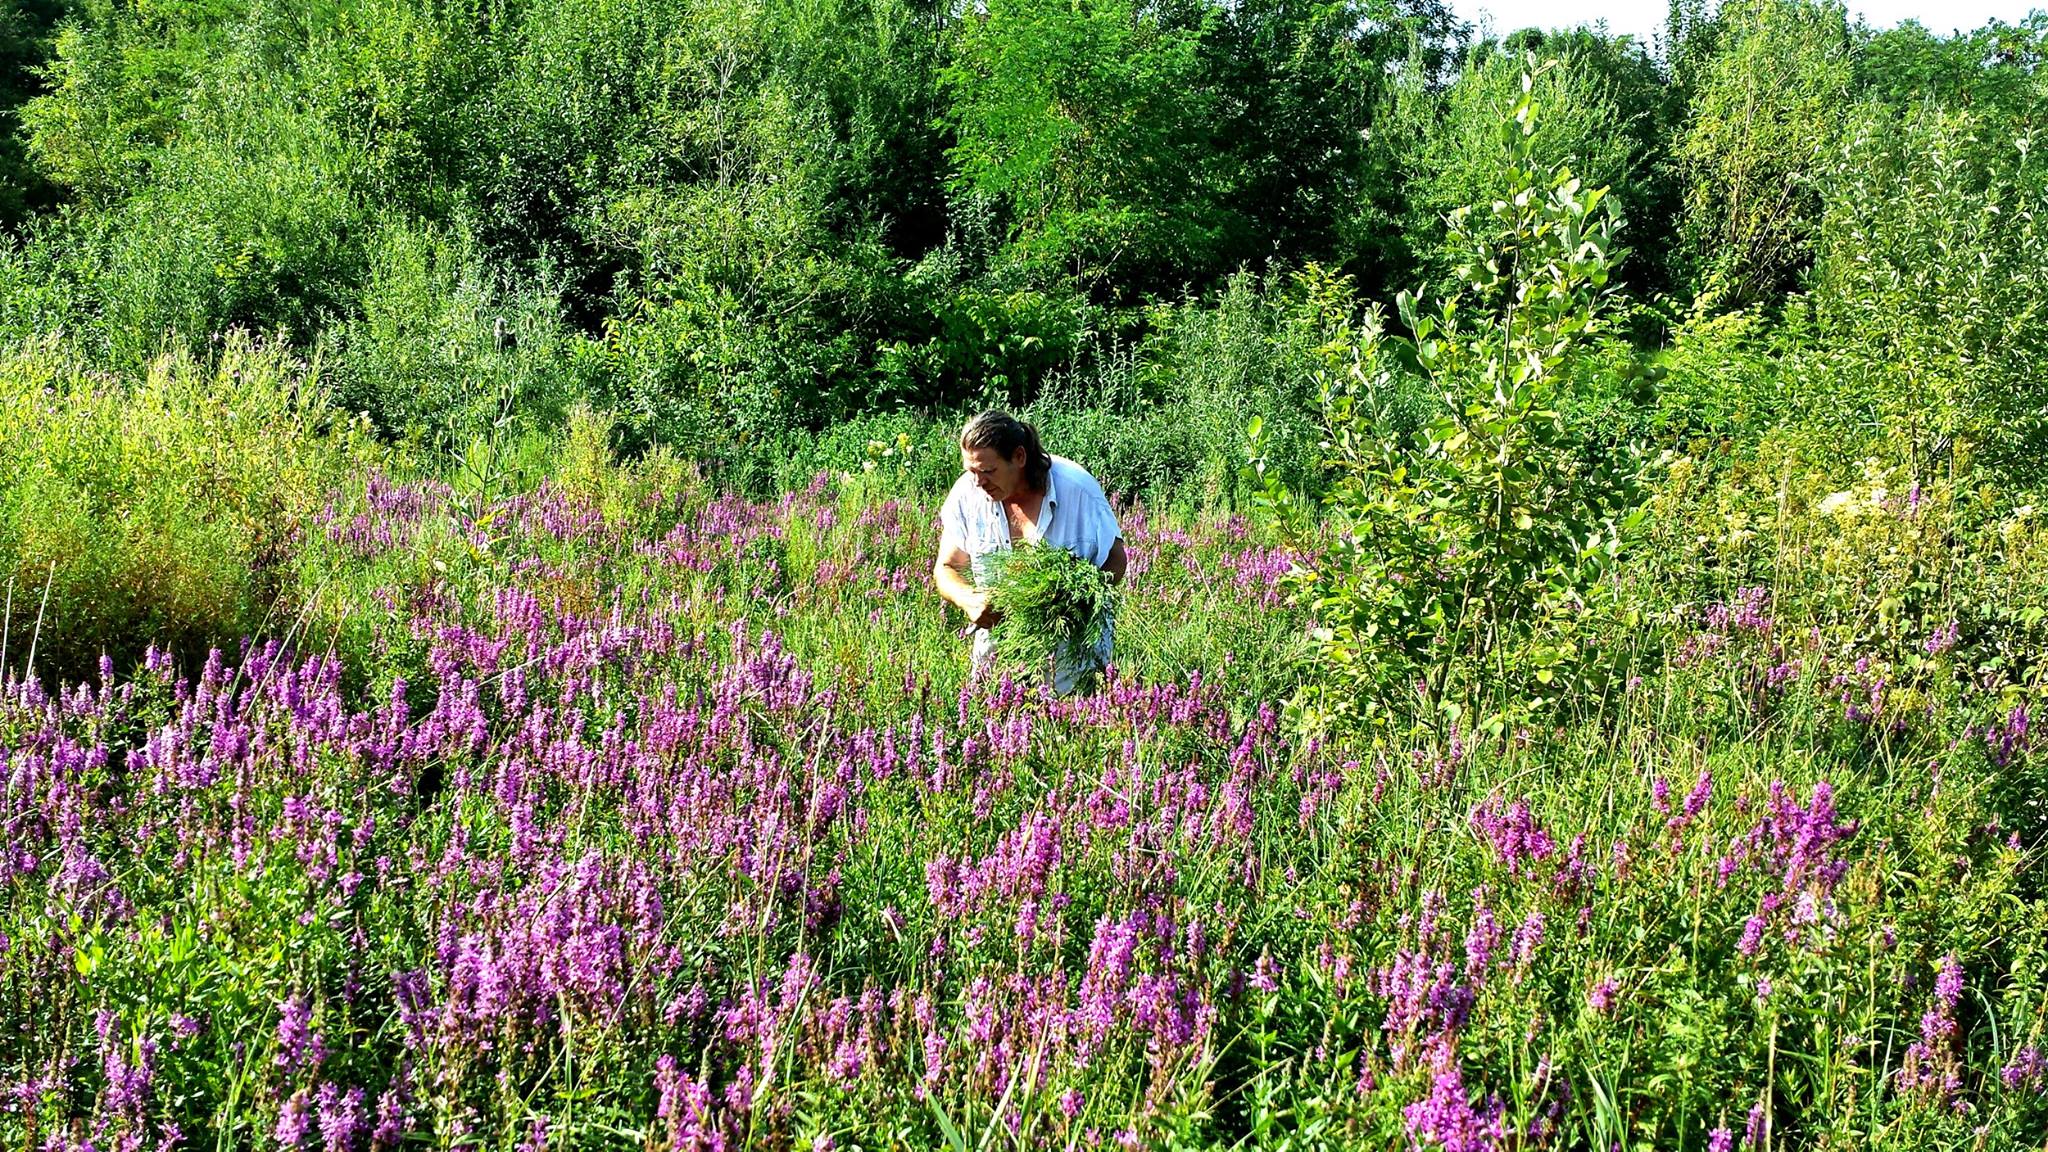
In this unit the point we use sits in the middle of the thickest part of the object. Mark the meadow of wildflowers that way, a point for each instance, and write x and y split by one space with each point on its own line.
611 812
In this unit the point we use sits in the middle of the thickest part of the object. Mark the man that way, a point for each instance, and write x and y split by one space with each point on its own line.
1011 489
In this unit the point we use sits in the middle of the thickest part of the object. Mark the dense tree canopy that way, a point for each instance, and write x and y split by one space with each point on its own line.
720 215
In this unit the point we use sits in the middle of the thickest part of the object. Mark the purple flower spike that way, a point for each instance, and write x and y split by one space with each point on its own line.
293 1121
2028 1067
1948 982
1601 996
297 1044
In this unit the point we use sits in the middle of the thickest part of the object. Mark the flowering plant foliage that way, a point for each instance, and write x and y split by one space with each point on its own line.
680 819
1478 546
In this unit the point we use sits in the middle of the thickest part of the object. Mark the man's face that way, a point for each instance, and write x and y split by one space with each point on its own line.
999 478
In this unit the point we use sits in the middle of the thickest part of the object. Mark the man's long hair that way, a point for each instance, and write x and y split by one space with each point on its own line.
1005 434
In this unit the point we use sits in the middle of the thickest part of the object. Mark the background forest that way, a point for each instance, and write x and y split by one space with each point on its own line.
468 674
740 225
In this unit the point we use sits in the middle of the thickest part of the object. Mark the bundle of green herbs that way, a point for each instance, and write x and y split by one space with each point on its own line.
1054 604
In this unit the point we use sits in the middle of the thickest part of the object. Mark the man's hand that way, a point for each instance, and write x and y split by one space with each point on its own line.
949 573
979 611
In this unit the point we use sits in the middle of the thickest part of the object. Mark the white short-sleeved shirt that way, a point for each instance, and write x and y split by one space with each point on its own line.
1075 516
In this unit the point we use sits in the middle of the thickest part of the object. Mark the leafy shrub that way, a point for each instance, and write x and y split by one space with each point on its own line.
988 337
1090 124
42 289
161 511
1215 364
1605 117
255 223
1721 379
1994 69
911 453
439 350
412 83
25 40
1102 412
1480 547
119 79
1764 116
1931 290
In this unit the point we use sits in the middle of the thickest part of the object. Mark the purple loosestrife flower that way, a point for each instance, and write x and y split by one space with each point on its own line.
1602 995
2027 1067
1422 995
1702 791
1724 870
2010 737
687 1107
1528 938
392 1120
1111 959
1432 908
293 1120
1699 647
1752 936
1447 1118
1480 941
1757 1130
128 1082
1942 639
797 980
739 1095
341 1117
1720 1140
848 1061
1577 871
1513 834
1027 923
298 1046
1948 982
934 1057
1752 610
1265 974
1930 1061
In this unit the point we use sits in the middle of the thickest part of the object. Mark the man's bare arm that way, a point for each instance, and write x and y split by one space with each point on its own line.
949 573
1117 562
